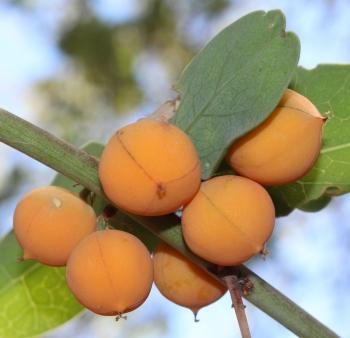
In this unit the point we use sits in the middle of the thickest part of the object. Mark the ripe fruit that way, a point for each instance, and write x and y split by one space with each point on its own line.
150 168
229 220
284 147
110 272
182 282
49 222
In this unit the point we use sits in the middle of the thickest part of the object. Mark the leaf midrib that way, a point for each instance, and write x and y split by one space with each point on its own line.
335 148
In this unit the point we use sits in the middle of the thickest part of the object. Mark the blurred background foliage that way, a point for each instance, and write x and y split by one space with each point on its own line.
117 61
105 61
111 65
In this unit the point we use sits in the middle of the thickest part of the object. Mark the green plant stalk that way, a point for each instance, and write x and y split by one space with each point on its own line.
83 169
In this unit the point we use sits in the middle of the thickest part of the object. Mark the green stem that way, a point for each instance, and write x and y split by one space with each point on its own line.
53 152
82 168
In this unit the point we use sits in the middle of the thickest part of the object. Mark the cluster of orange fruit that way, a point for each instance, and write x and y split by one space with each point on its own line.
151 168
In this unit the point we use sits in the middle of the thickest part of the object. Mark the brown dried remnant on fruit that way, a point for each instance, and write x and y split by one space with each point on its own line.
150 168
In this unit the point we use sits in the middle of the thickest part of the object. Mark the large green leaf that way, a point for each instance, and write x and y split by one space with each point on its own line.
328 87
34 298
234 83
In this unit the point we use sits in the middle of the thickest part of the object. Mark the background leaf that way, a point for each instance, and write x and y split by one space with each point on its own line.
123 222
35 298
93 148
328 87
316 205
234 83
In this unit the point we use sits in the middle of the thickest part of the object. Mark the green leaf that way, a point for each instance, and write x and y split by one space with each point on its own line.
34 298
316 205
328 87
234 83
95 149
281 207
123 222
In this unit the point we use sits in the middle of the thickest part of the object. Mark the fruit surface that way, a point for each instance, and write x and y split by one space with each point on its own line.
150 168
110 272
284 147
49 222
182 282
229 220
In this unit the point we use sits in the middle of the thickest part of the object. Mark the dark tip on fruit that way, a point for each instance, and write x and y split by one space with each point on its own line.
120 316
161 190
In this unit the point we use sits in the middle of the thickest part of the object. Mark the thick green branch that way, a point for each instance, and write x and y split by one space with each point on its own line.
55 153
82 168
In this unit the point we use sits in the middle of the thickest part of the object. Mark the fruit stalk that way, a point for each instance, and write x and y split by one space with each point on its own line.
237 303
82 168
